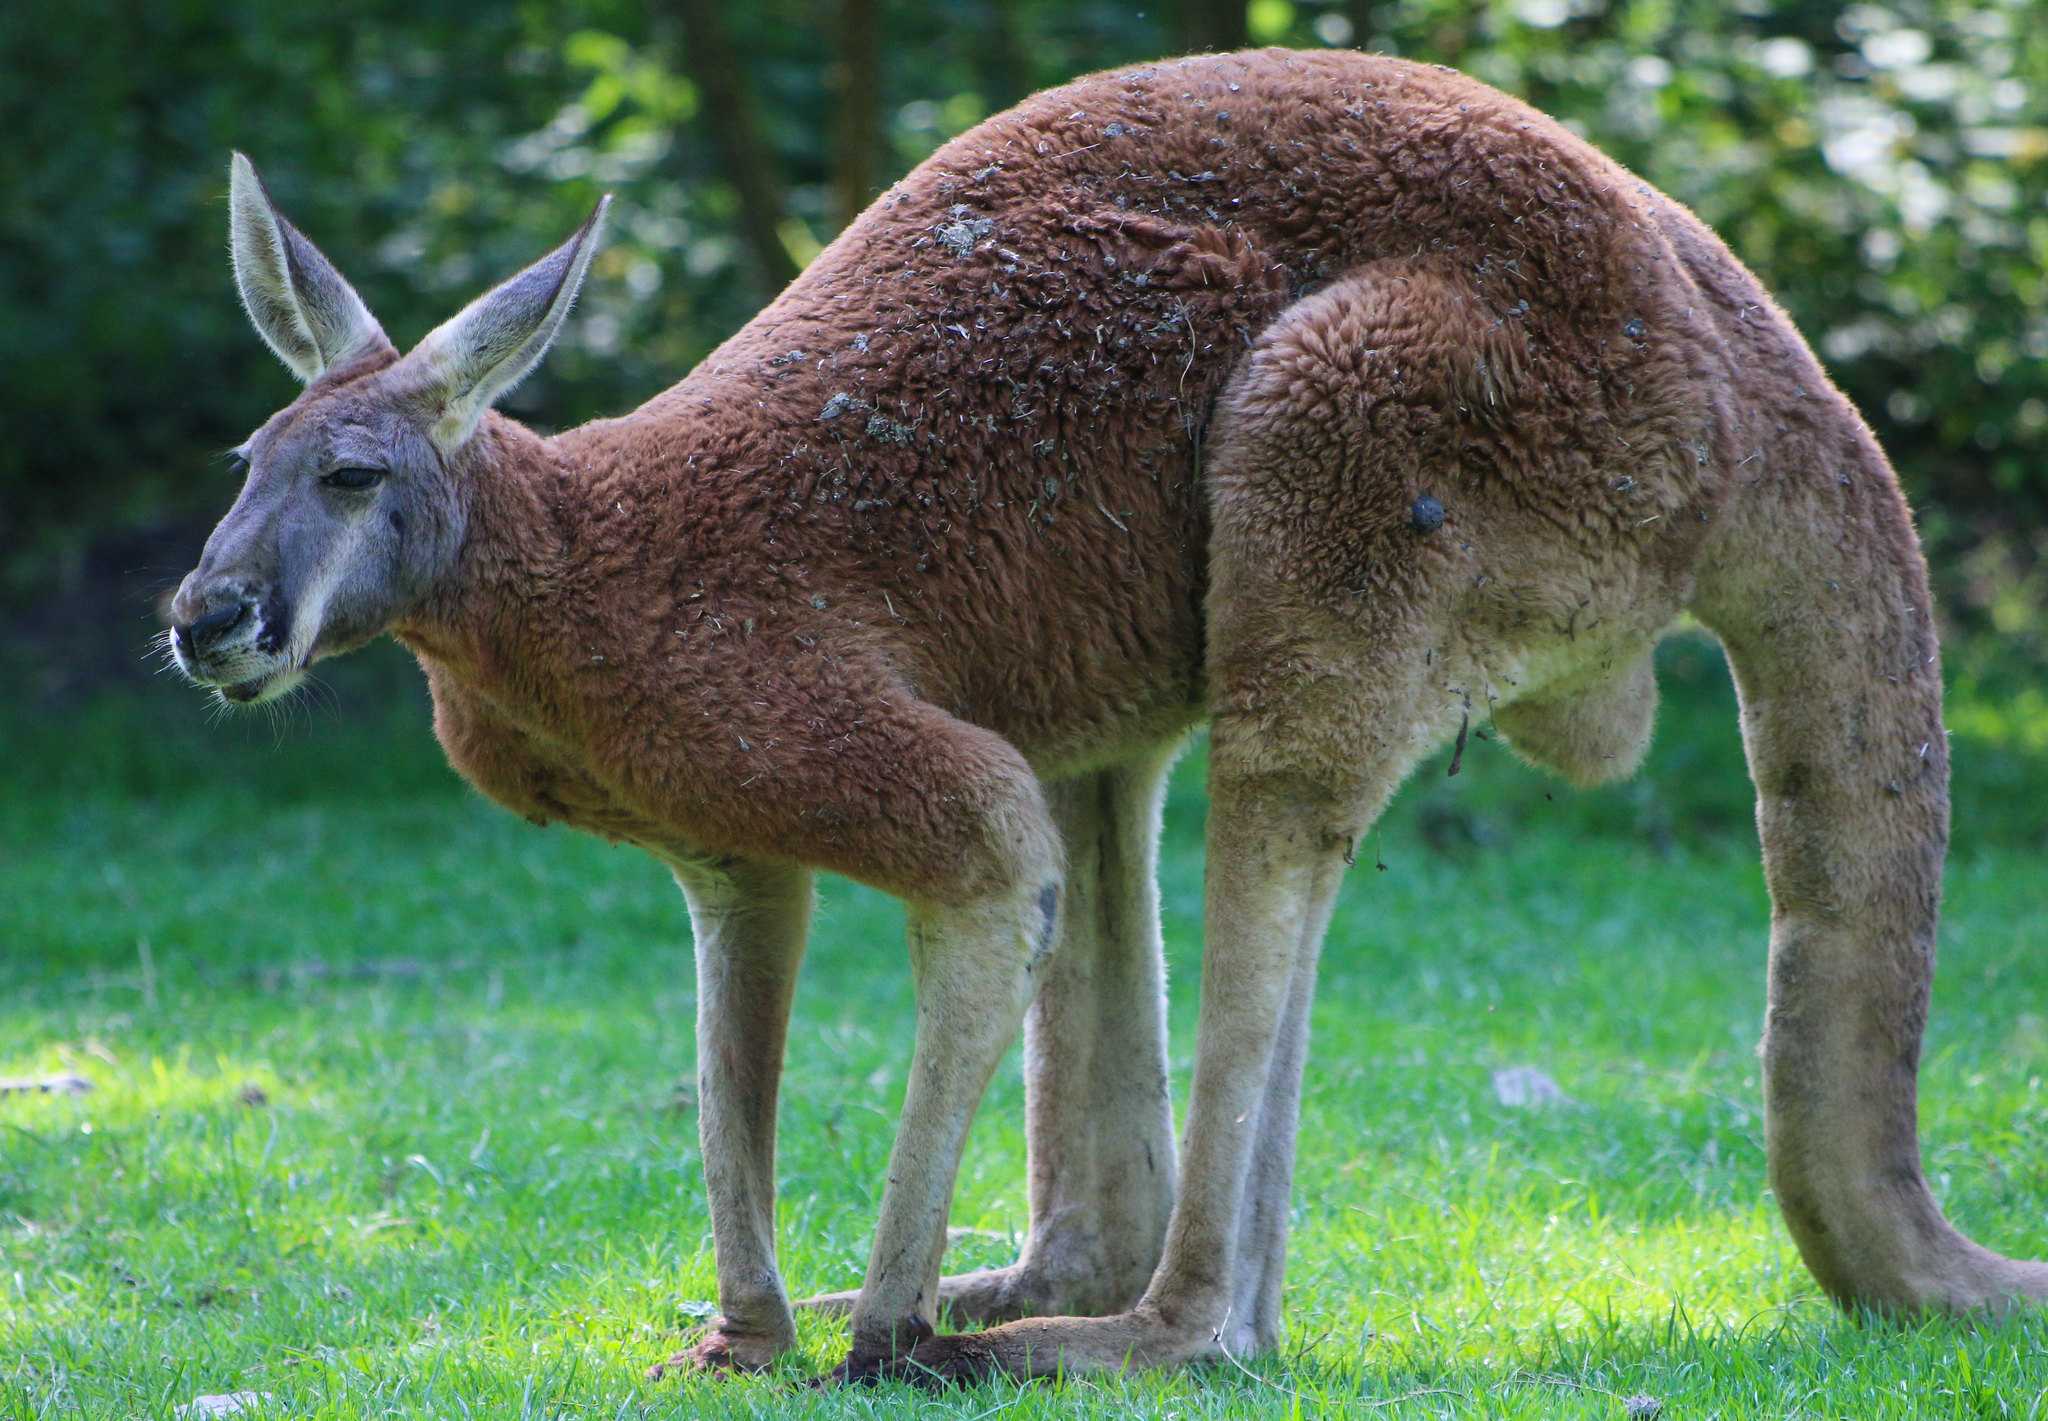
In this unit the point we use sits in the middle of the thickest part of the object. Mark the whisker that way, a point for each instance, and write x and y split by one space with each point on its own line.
317 696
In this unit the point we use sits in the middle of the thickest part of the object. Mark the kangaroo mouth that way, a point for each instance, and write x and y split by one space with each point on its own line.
244 693
253 690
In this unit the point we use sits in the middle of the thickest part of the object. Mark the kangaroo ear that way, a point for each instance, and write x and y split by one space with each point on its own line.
302 307
469 362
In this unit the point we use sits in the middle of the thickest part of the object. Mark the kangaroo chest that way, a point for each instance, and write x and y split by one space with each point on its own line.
540 776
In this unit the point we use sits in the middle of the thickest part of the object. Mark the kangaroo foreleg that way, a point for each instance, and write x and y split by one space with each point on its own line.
981 937
749 922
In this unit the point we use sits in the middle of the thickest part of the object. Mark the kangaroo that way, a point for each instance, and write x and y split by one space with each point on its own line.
1332 399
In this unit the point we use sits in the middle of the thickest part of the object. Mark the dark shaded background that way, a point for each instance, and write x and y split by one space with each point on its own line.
1885 168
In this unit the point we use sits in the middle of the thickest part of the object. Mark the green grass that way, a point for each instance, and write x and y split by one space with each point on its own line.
389 1114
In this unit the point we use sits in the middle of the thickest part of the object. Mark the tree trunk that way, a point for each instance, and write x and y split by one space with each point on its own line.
1213 25
729 114
857 76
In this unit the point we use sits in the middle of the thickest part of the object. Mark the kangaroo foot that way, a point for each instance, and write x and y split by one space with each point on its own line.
867 1365
1045 1346
723 1350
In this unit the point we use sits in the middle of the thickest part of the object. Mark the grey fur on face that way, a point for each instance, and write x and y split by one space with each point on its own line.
352 505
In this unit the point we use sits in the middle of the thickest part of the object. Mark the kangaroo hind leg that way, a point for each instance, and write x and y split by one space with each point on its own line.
1097 1106
1324 605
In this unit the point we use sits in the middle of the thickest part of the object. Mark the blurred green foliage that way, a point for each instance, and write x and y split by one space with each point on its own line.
1885 168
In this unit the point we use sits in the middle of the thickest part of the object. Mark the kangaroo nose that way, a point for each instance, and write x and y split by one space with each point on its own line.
204 632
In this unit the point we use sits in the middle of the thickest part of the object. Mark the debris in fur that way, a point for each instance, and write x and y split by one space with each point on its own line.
838 405
1635 329
890 431
963 234
1458 751
1427 515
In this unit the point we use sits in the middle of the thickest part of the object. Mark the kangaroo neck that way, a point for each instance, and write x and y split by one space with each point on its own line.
492 620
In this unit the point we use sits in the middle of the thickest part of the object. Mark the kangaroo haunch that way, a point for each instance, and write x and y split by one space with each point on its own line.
1332 399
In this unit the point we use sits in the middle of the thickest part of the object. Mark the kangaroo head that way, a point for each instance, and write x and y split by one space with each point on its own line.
353 504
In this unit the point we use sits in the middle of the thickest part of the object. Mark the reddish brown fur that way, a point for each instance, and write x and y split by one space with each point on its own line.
952 519
1055 380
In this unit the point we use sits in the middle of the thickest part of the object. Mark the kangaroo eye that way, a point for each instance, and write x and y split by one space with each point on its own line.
352 478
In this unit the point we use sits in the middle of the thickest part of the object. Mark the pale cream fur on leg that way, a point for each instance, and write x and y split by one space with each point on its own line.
1260 1263
976 966
1097 1101
1276 858
1102 1158
749 923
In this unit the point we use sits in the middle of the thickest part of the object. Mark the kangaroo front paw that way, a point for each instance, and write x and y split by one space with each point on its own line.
724 1350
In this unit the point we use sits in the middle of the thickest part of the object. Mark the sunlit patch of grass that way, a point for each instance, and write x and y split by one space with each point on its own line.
392 1109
